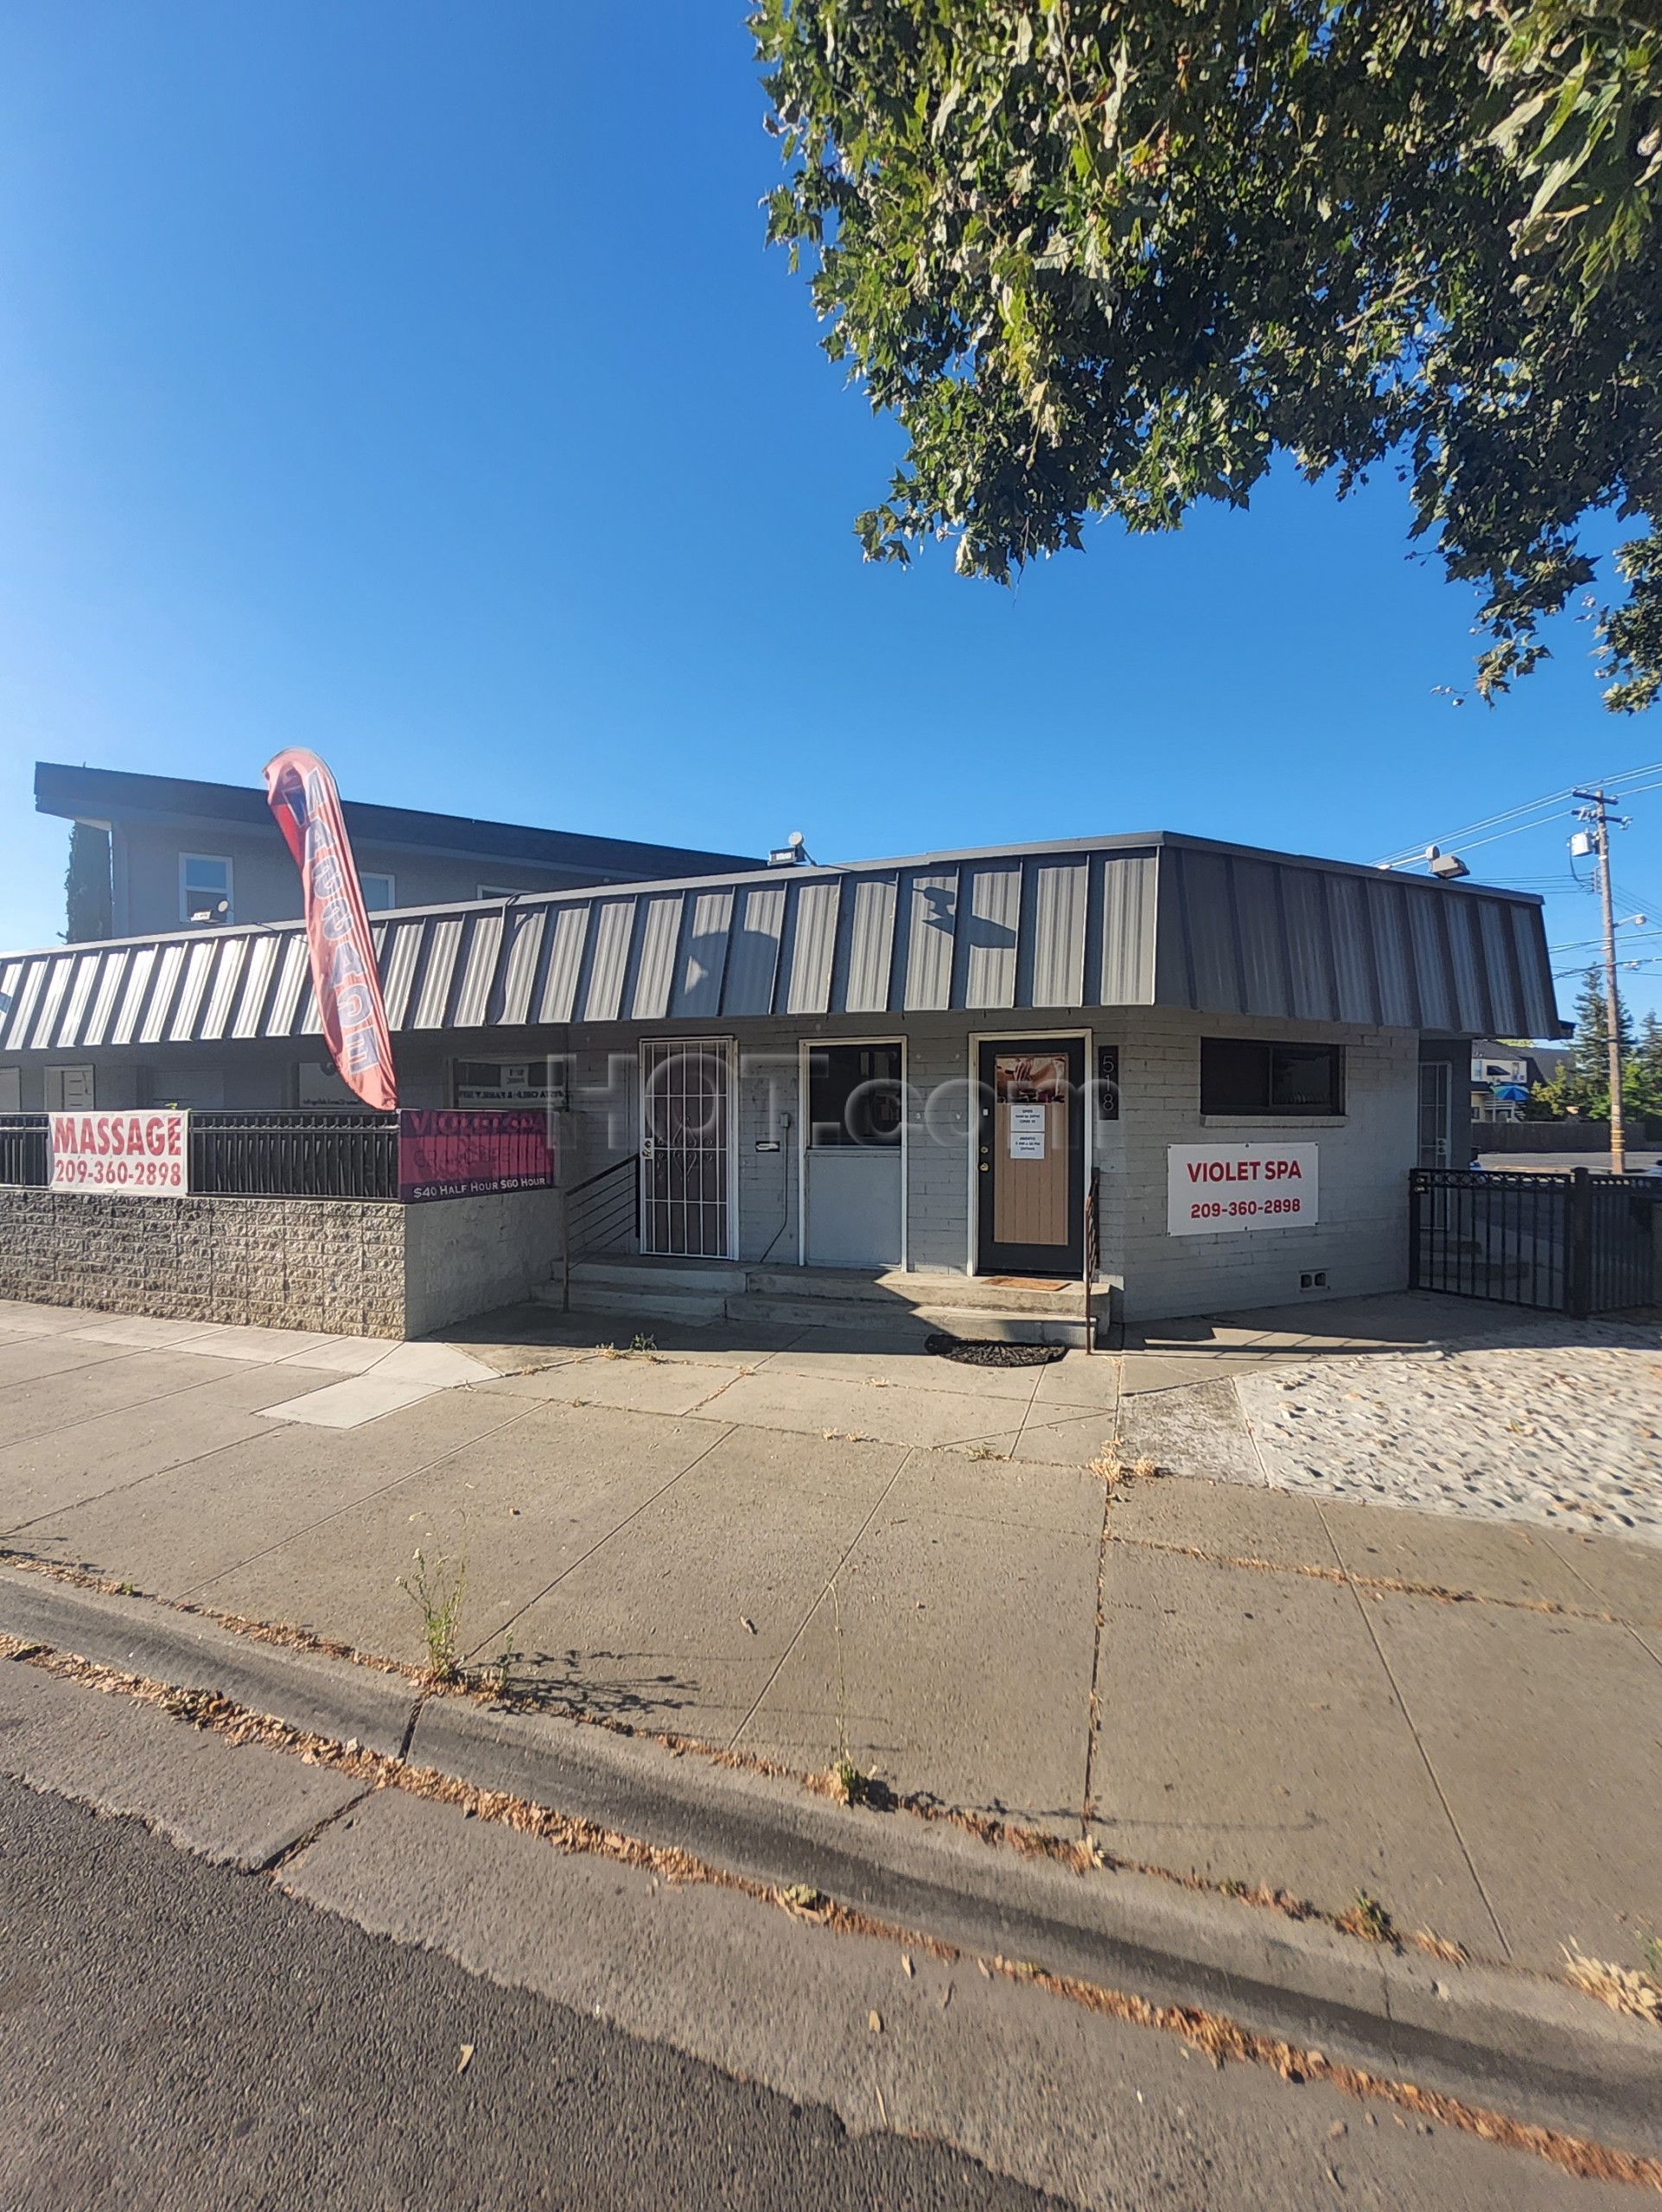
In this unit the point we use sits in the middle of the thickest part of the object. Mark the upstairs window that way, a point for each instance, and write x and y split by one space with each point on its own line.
205 898
1243 1077
378 890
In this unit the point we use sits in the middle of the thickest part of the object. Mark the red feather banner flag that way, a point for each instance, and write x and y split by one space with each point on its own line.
302 795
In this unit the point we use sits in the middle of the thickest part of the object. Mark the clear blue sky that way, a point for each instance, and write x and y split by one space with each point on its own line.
409 381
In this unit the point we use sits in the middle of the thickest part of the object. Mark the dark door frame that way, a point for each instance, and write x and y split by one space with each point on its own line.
992 1258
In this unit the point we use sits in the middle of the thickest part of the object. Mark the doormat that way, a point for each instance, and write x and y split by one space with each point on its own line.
982 1351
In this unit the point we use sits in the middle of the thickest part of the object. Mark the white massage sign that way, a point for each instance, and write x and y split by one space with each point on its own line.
143 1154
1211 1188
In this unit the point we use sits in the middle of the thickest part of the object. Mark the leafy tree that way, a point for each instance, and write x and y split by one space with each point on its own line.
1110 257
1582 1084
88 907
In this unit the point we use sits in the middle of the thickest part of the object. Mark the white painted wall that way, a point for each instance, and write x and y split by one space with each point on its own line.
464 1256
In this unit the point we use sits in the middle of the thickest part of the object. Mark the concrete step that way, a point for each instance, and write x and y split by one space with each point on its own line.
624 1271
655 1302
843 1286
979 1323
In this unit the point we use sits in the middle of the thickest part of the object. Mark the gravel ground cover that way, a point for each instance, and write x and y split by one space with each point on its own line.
1561 1430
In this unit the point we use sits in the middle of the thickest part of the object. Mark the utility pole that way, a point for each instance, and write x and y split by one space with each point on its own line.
1597 812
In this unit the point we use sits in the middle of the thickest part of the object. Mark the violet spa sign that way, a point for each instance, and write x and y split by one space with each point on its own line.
1213 1187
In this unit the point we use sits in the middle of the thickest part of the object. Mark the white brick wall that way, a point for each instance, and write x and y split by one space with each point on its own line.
1360 1240
1361 1236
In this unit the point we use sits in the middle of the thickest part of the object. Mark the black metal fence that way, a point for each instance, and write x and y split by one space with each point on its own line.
23 1148
1574 1243
249 1155
255 1155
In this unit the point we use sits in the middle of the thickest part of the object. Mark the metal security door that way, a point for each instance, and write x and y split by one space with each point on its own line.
687 1120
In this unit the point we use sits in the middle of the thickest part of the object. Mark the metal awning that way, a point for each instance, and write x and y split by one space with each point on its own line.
1160 920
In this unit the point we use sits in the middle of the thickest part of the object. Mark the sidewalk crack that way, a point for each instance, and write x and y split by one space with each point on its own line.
1425 1756
1093 1716
907 1458
572 1567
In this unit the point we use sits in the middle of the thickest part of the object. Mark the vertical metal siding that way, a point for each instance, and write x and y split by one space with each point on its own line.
80 990
813 946
110 983
1264 988
1393 954
655 971
400 953
1221 932
133 997
1534 975
262 962
443 945
753 957
1128 930
1431 963
994 927
227 974
477 961
565 952
603 1001
57 982
703 958
1311 992
871 944
931 928
1356 995
1209 905
163 987
524 926
1059 902
1472 1008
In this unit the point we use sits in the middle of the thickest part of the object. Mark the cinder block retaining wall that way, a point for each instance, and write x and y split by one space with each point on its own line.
354 1268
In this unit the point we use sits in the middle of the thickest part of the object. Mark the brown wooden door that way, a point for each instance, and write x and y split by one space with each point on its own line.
1030 1157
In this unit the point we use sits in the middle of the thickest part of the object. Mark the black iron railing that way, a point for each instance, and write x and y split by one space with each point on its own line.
249 1155
600 1214
254 1155
23 1149
1571 1243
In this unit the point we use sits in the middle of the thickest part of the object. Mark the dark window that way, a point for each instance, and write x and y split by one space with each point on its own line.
1241 1076
854 1095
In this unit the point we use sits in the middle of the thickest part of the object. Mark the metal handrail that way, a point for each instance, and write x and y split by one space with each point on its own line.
1092 1252
569 1230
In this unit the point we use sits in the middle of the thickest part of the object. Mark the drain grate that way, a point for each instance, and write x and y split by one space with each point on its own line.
983 1351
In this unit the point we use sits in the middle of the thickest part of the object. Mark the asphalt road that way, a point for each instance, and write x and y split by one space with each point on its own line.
176 2036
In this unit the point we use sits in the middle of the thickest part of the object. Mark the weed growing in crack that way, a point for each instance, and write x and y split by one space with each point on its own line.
1368 1918
640 1343
435 1587
501 1669
848 1782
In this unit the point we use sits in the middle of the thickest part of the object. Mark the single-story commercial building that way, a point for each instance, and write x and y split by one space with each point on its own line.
1198 1071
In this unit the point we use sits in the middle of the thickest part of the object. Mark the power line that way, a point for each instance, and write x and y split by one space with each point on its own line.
1468 834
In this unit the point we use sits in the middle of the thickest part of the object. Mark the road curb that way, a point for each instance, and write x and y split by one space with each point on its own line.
1526 2047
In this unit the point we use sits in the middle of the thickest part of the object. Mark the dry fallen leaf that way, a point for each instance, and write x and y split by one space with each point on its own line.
466 2059
875 2021
906 1964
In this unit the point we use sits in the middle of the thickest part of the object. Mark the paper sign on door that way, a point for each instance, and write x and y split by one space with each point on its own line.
1026 1132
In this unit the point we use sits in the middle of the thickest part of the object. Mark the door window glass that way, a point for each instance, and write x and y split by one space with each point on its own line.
854 1096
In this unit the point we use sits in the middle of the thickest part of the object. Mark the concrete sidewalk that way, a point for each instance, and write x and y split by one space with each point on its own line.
1216 1679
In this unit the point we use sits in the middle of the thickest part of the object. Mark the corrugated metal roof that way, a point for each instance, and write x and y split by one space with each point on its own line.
1160 920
